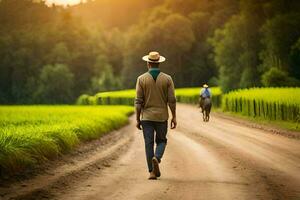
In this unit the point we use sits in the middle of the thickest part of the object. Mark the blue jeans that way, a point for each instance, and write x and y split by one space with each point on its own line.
160 129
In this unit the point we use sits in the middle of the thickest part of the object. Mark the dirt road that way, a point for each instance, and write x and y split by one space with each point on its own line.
216 160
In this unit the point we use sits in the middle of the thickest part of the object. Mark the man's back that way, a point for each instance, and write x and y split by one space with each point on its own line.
155 96
205 93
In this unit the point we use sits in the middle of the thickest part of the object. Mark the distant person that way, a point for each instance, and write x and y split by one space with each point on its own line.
154 93
204 93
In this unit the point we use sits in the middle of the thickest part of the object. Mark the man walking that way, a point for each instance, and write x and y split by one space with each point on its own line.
154 93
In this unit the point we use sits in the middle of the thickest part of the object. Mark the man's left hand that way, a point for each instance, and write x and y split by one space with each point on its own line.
173 123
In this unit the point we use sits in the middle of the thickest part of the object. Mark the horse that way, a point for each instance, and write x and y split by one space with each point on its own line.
206 107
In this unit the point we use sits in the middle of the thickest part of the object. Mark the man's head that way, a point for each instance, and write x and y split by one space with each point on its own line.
153 59
205 86
152 65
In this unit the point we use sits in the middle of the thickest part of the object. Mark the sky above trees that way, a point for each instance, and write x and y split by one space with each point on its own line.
63 2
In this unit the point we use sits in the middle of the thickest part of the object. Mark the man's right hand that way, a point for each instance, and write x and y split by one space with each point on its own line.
138 124
173 123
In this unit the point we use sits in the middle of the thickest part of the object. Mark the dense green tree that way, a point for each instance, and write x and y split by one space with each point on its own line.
104 79
177 40
280 37
294 59
100 43
199 65
227 48
59 54
278 78
114 47
55 85
249 45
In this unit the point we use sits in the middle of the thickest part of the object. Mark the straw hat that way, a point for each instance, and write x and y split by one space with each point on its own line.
154 57
205 86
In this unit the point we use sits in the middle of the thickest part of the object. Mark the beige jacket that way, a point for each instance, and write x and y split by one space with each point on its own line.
154 96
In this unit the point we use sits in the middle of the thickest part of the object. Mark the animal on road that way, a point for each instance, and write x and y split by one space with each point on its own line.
206 108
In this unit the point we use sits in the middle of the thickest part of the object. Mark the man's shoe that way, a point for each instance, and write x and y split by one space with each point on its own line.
152 176
155 166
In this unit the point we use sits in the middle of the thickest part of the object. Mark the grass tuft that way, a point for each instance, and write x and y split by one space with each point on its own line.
32 134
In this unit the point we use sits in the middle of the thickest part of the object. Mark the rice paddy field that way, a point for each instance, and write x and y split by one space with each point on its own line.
267 103
33 134
280 105
126 97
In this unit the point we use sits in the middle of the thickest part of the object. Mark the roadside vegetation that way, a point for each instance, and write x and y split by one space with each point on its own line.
269 103
126 97
33 134
272 104
279 106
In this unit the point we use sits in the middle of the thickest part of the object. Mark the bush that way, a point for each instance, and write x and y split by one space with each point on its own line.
274 78
83 100
213 82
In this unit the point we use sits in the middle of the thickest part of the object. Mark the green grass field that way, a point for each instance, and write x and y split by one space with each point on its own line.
32 134
126 97
267 103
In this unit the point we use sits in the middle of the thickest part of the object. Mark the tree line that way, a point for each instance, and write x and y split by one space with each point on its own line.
52 54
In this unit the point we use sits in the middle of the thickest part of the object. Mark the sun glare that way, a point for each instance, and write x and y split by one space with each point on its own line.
63 2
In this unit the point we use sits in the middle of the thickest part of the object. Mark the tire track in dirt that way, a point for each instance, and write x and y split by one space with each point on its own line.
271 158
190 171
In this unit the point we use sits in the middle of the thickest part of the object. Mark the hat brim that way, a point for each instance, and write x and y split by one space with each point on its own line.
161 59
